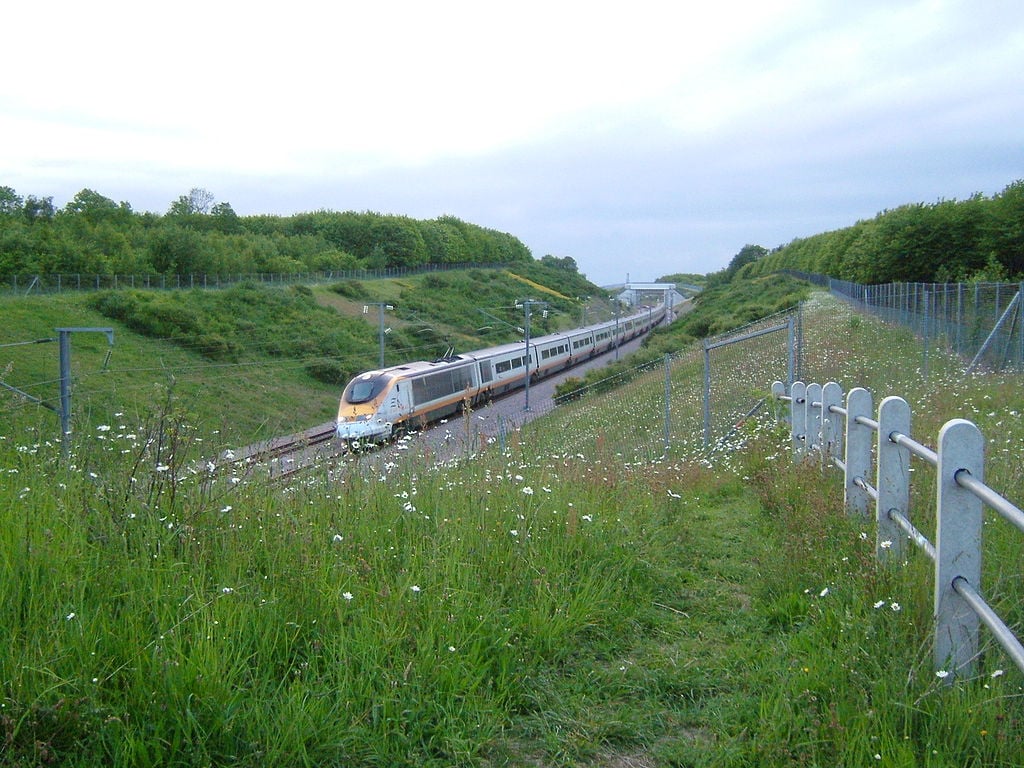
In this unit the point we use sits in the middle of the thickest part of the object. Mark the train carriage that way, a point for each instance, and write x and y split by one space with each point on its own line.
377 404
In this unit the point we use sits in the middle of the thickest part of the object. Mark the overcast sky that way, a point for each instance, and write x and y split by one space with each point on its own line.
642 139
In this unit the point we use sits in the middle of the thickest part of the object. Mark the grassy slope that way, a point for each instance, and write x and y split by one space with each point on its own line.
263 388
621 612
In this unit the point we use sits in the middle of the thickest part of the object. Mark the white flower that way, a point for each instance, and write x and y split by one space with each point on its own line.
942 674
528 490
451 649
674 495
103 428
70 616
162 467
227 590
337 537
415 587
347 595
886 544
997 673
588 518
514 532
226 508
895 606
880 603
823 592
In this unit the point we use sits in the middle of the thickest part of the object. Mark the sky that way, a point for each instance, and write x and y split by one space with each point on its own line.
641 139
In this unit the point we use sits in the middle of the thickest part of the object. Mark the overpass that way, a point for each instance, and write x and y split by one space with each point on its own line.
639 293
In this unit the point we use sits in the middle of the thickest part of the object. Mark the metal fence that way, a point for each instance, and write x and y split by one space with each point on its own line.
28 284
981 322
817 415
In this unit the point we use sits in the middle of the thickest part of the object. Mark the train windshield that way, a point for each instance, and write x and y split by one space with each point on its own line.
364 388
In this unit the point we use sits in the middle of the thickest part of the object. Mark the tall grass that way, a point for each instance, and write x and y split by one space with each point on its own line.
576 600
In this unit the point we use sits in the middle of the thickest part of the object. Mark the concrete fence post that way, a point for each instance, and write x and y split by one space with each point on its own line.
831 433
957 546
813 395
893 477
798 419
859 438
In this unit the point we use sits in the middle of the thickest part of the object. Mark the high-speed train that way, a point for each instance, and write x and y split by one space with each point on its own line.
377 405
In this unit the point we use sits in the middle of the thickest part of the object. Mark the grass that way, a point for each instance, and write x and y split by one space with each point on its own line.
251 361
577 599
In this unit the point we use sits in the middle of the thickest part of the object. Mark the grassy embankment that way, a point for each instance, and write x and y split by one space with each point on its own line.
561 604
251 362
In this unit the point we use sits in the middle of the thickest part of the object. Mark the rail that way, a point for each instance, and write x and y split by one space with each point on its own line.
817 416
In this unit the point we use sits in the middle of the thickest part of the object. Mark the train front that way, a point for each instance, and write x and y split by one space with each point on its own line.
361 414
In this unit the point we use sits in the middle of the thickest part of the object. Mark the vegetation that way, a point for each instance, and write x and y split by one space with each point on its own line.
558 603
948 241
256 360
94 235
719 308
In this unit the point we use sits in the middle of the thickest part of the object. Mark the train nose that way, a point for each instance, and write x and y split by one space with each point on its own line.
364 429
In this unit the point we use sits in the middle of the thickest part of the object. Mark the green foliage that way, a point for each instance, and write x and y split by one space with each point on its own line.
949 240
245 321
93 234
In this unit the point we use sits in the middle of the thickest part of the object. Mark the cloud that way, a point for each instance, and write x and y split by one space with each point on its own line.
664 137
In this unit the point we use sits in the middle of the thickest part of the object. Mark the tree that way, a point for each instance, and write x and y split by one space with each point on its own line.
10 202
568 263
90 204
748 255
38 208
197 201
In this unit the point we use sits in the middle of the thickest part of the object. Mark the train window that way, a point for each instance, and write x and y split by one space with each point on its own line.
485 371
363 389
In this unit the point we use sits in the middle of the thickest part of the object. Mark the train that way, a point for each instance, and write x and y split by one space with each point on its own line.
382 404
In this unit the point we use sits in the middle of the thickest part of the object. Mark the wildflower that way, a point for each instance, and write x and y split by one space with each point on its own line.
162 467
103 428
895 606
514 532
674 495
886 544
588 518
942 674
823 592
347 595
997 673
528 490
226 508
227 590
451 649
880 603
70 616
337 537
415 587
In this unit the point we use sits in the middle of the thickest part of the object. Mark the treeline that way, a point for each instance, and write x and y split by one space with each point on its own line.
979 239
92 234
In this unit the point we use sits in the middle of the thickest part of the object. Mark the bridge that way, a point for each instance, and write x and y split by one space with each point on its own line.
637 293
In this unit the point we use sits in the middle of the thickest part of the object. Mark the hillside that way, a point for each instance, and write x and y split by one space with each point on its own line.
564 602
981 238
253 361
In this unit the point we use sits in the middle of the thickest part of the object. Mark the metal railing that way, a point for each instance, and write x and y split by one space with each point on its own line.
846 436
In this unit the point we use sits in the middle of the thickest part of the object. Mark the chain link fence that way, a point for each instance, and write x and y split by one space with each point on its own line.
982 323
29 284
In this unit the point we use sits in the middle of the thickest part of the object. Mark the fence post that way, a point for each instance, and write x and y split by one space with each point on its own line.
893 477
668 401
798 419
858 451
831 434
957 545
813 419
